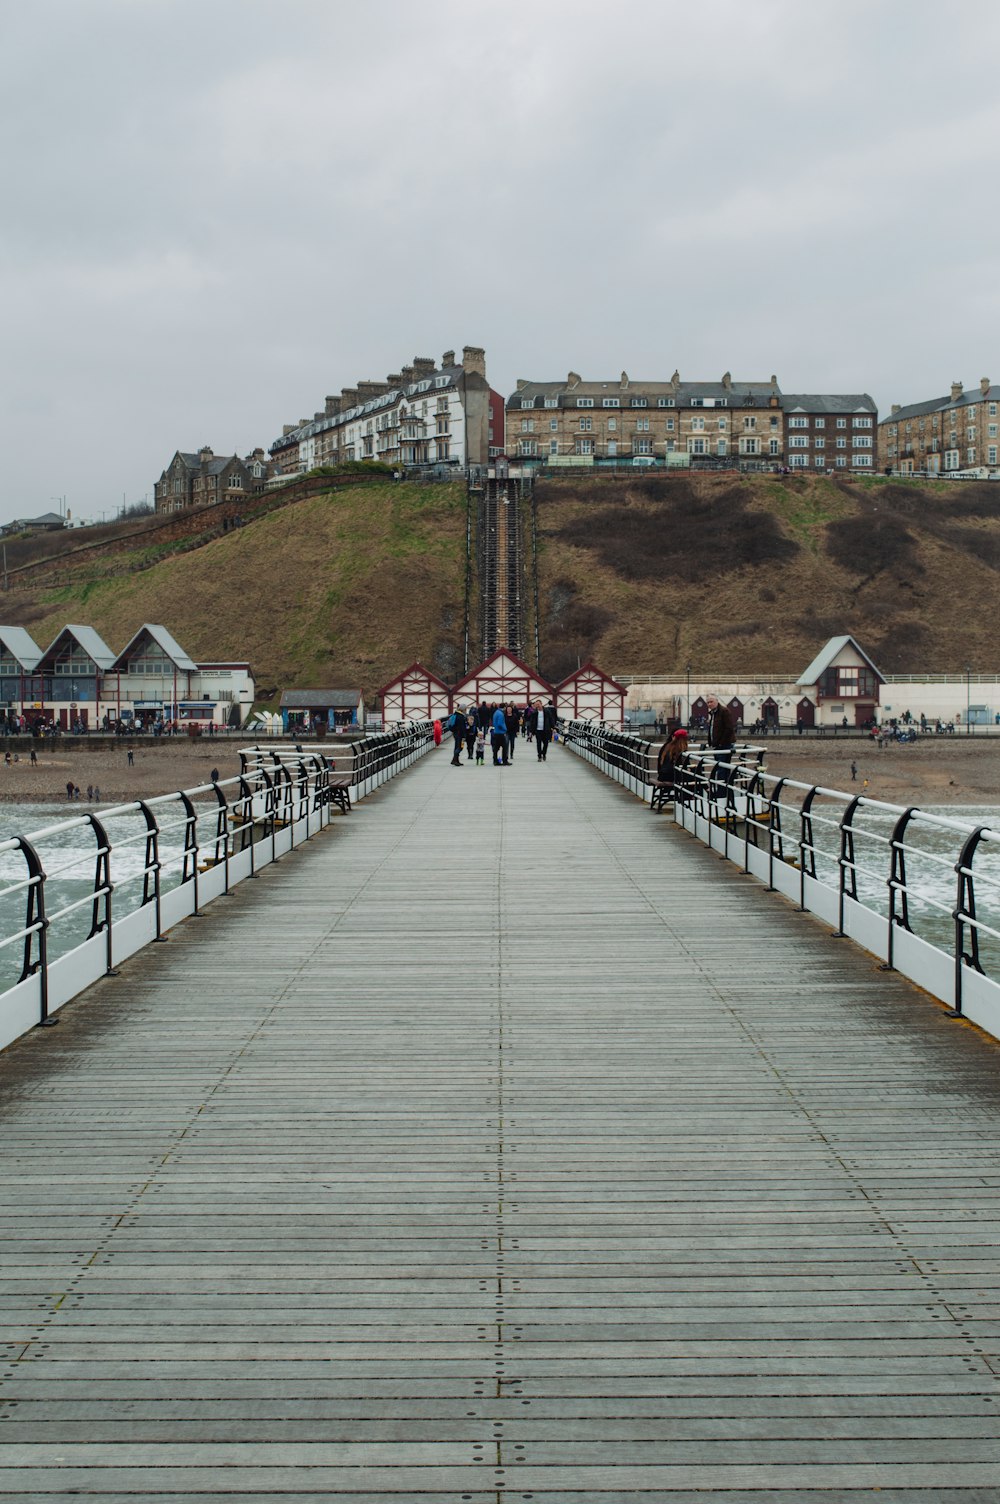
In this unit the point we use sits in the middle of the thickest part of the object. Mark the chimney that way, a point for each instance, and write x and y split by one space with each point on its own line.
447 359
624 380
675 380
984 385
474 360
956 390
727 381
332 407
520 384
317 416
895 409
572 379
423 365
774 382
369 389
205 454
409 375
348 397
394 379
287 429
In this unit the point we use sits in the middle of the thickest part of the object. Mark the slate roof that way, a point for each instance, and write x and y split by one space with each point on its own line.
826 656
826 402
320 699
735 394
943 404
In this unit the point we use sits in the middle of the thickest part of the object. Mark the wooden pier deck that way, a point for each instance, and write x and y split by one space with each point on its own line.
503 1144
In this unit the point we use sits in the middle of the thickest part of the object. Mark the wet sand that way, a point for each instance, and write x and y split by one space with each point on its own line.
158 769
932 770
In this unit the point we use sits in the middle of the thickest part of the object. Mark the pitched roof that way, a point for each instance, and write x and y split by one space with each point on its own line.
417 670
93 645
20 645
590 668
826 656
168 645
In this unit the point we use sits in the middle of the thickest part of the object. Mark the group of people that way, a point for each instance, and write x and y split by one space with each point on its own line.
74 795
469 727
720 734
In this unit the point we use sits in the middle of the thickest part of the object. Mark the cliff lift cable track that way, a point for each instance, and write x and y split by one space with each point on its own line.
501 567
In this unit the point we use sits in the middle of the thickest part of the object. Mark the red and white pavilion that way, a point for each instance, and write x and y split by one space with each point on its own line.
501 679
415 695
591 694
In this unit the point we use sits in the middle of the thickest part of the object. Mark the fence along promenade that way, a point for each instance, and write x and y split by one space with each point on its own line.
505 1144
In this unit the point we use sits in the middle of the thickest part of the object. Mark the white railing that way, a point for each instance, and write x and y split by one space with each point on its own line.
80 896
920 890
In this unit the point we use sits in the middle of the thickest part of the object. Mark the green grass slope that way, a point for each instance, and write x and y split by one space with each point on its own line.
339 589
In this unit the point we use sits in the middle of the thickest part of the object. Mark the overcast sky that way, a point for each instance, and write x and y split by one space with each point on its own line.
215 212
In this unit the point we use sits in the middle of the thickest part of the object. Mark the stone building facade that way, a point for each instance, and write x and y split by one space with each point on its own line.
721 423
202 478
944 434
423 415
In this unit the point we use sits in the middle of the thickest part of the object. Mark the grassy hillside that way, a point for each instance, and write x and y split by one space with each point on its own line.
756 573
340 589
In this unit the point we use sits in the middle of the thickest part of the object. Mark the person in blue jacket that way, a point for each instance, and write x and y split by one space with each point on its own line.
498 737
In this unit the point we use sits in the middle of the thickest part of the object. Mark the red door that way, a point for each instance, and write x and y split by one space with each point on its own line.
805 711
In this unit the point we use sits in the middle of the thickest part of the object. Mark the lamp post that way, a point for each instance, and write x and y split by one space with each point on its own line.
968 677
687 670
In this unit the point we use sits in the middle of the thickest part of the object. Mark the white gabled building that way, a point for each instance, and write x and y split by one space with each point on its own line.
425 415
154 680
843 684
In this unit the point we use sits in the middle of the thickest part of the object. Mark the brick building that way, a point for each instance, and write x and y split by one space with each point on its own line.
944 434
825 432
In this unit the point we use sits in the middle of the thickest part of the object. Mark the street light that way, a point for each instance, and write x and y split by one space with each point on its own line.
687 670
968 676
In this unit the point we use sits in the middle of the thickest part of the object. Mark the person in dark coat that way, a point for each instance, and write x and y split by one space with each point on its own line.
471 727
543 722
513 718
721 737
498 738
669 763
456 725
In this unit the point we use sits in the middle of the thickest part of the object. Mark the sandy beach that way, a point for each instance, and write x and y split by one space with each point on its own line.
942 770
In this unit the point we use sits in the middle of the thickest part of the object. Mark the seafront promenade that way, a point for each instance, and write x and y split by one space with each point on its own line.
501 1143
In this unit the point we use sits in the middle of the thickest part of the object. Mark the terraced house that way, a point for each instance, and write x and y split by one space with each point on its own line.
943 434
197 479
423 415
704 423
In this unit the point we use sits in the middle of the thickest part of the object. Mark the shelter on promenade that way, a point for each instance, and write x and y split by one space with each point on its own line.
415 694
332 709
591 694
501 678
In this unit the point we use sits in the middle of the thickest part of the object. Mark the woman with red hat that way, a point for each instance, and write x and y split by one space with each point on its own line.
670 761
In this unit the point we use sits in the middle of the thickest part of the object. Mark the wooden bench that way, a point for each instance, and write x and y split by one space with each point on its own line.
340 792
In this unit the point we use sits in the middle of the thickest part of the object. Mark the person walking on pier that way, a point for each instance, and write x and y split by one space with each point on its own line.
471 727
498 738
543 720
456 725
513 718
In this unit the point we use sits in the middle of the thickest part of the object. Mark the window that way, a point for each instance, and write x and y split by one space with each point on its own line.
842 423
586 424
970 456
642 446
862 460
862 441
723 424
670 425
797 460
612 425
749 423
697 424
819 422
553 446
774 446
774 424
862 422
798 422
553 425
527 401
696 446
527 425
818 441
749 446
526 447
993 409
642 424
991 455
584 446
639 402
610 402
552 402
991 430
841 443
584 401
841 460
798 441
721 447
612 448
669 402
697 402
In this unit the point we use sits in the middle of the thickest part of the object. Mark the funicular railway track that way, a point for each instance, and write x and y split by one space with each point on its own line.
501 567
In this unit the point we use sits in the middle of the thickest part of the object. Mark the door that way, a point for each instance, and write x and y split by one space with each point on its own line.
769 713
805 711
